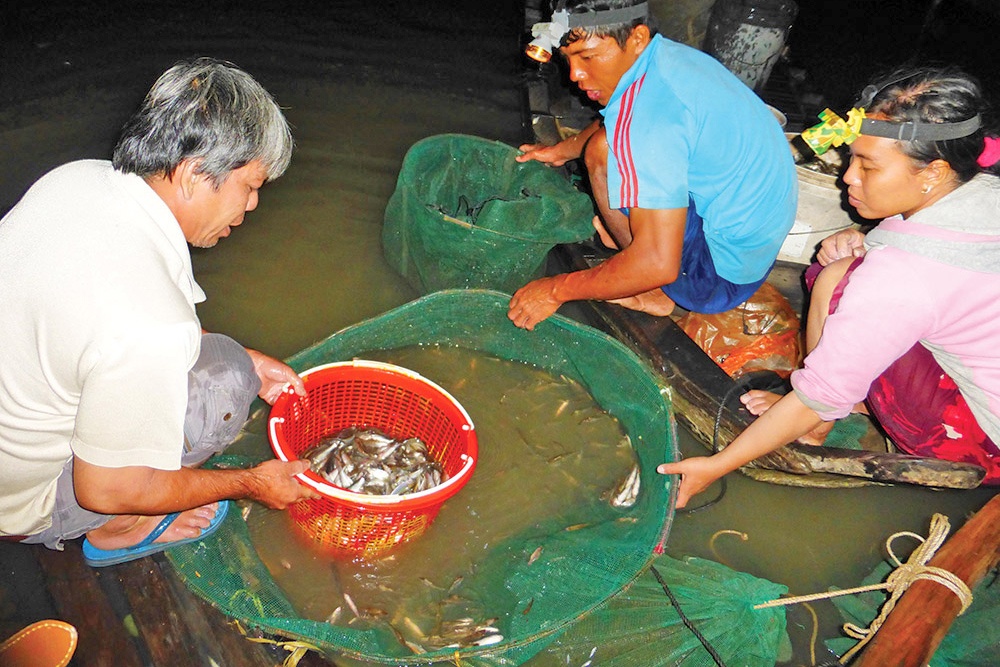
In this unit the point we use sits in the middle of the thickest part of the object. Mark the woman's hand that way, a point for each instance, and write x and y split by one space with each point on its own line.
696 473
845 243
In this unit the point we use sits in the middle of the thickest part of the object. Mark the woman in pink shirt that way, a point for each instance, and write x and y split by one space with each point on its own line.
903 321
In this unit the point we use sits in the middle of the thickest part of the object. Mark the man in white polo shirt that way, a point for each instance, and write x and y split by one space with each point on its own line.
110 392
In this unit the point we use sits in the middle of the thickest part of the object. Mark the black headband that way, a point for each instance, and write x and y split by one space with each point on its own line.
909 131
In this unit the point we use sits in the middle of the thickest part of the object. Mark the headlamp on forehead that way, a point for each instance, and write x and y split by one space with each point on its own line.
835 131
548 36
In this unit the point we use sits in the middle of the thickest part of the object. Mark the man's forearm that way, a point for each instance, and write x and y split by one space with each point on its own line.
141 490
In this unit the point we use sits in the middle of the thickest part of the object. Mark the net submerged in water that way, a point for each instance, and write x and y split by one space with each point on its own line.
538 599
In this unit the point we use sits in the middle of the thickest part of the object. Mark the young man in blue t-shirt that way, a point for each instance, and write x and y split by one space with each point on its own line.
692 175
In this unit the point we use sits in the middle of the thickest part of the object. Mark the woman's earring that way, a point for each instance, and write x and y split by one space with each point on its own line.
925 190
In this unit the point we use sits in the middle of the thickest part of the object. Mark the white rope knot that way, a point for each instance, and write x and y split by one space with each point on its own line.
897 582
915 568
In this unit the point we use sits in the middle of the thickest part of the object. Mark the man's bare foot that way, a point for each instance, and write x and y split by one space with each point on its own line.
602 233
129 529
653 302
757 402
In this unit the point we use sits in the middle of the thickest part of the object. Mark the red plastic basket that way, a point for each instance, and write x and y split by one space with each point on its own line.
402 404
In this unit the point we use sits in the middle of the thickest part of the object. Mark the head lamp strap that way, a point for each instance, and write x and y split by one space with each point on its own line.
591 18
920 131
562 21
835 131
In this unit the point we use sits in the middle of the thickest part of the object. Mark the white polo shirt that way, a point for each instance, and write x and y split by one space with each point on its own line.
98 330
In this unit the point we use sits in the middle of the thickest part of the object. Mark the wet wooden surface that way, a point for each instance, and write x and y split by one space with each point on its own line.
137 614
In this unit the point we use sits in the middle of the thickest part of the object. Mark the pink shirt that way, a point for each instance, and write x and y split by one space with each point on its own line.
895 299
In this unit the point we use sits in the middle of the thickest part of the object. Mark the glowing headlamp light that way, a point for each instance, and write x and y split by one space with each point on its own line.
547 36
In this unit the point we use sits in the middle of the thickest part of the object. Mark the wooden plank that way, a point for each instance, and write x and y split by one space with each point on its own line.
706 401
24 598
925 612
80 600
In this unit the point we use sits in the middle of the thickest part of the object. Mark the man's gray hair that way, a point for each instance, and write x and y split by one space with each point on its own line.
208 111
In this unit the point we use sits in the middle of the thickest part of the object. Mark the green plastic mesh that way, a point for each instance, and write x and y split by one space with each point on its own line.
639 628
583 568
466 214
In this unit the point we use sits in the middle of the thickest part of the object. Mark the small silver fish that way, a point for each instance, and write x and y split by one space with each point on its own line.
627 491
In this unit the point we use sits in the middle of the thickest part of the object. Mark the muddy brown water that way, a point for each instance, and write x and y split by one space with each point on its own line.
361 86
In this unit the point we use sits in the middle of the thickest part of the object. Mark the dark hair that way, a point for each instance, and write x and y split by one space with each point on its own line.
936 95
210 111
617 31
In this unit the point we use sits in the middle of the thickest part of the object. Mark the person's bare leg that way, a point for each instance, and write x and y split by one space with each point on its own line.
613 226
614 222
757 402
129 529
820 297
602 232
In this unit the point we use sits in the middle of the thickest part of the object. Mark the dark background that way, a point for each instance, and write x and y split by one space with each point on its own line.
839 43
842 43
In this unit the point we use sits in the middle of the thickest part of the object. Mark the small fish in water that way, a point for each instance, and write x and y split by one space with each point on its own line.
416 648
626 493
534 555
353 607
465 632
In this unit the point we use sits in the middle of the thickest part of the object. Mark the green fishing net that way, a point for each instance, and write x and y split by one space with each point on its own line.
640 627
581 568
466 214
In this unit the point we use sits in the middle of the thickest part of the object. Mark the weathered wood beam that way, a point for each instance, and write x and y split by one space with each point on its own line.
925 612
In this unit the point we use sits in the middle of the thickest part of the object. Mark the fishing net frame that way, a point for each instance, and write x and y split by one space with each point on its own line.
581 569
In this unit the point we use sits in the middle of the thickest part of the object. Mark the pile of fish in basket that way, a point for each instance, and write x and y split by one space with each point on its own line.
369 461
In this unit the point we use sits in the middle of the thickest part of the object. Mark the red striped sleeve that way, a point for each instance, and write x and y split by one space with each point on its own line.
622 143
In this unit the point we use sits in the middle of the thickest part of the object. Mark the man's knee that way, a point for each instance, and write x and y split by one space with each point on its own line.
595 153
221 386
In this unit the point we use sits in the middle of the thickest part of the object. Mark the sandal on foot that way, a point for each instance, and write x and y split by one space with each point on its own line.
101 557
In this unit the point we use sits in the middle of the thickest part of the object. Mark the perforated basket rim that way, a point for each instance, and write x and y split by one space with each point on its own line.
403 501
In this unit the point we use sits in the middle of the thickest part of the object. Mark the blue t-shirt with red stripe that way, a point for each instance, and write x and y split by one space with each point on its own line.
682 128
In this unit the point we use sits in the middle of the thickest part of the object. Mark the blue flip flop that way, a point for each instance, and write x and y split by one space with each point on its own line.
100 557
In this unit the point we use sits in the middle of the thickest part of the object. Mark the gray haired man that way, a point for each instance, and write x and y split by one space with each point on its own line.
111 394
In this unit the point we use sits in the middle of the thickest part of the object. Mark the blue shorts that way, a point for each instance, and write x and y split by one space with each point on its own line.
699 288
